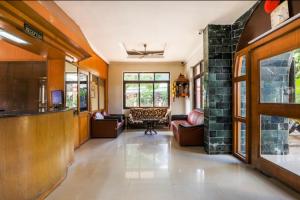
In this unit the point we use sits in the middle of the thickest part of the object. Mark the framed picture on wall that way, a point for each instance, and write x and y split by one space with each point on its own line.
93 91
280 14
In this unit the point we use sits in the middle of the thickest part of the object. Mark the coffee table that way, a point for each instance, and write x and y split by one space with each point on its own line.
150 123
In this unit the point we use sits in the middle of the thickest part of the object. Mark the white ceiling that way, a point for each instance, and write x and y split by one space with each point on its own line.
108 24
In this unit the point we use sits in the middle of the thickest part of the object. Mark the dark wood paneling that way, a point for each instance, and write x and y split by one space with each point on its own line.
19 84
260 22
56 77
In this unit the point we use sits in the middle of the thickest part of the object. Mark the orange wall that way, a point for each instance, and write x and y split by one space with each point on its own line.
10 52
95 65
56 77
98 67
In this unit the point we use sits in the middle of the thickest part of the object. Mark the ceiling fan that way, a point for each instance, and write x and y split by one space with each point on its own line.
145 53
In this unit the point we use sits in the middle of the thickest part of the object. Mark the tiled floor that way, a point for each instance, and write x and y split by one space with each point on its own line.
139 167
291 161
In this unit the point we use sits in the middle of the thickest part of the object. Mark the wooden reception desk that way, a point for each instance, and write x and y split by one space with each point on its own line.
35 152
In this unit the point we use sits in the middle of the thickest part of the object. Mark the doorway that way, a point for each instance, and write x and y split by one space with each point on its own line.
275 108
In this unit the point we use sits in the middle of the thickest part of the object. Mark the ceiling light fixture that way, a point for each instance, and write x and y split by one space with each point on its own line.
71 59
11 37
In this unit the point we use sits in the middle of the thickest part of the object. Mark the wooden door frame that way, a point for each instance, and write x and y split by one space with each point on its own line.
235 98
288 41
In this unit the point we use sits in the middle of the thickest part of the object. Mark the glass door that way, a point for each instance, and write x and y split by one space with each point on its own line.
275 104
240 111
83 91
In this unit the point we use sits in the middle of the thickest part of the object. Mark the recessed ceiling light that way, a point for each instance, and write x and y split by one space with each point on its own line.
11 37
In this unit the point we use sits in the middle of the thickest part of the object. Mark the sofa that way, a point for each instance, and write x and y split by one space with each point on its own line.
188 130
105 125
136 116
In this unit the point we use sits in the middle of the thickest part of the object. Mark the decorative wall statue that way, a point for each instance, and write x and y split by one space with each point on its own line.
180 87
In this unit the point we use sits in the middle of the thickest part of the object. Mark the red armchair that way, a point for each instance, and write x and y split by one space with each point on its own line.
188 130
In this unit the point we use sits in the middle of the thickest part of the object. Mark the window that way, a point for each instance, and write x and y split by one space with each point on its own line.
280 78
199 91
71 89
71 85
280 141
83 90
146 89
240 108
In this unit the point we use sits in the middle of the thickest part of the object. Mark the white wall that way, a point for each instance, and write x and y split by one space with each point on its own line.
195 58
115 82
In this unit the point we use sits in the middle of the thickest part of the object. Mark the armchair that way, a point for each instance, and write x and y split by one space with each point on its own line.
106 126
188 130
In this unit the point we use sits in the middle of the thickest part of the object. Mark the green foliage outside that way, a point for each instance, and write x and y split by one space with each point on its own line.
296 56
146 94
71 96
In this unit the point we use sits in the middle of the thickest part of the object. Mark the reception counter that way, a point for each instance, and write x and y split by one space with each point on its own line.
36 149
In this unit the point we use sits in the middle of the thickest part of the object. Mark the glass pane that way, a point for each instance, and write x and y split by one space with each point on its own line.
131 76
71 77
146 95
201 66
161 95
162 76
241 68
71 95
280 78
198 93
241 99
131 95
83 92
197 70
280 141
83 77
146 76
94 96
241 138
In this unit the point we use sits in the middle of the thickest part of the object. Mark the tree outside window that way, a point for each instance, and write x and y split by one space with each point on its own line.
146 89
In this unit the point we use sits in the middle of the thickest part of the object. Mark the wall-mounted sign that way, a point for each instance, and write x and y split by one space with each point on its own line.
33 32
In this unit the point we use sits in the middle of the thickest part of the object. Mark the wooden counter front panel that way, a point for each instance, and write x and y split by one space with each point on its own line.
35 153
84 128
76 132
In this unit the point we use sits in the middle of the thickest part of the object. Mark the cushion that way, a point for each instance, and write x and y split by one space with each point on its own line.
196 117
168 113
120 124
150 113
98 116
104 113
